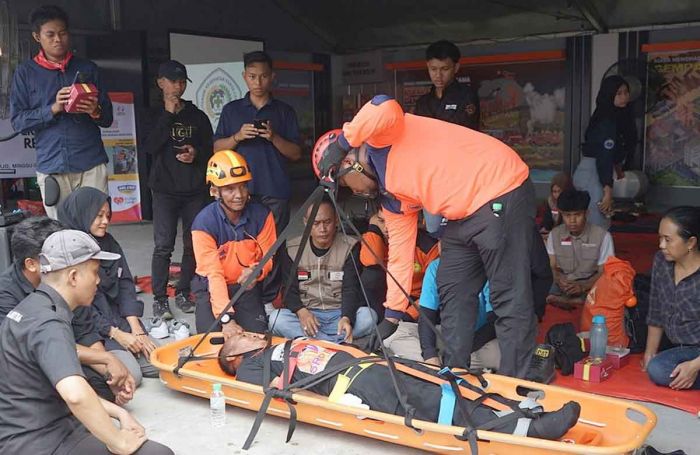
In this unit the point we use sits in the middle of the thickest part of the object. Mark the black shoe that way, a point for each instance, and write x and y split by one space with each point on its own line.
161 308
541 364
184 303
554 425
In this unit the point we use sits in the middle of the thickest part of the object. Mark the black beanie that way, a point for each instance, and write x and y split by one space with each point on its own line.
573 201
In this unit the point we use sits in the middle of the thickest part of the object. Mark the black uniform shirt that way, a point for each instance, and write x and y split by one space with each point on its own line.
459 104
37 350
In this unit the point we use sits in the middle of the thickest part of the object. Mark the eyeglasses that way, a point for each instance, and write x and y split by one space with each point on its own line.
256 256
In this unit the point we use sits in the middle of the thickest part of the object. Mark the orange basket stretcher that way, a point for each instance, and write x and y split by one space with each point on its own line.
606 425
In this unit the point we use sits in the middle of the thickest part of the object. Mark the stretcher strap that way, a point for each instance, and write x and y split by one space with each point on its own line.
447 404
274 392
345 380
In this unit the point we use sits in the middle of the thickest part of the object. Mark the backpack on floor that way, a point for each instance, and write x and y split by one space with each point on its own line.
636 316
609 296
568 348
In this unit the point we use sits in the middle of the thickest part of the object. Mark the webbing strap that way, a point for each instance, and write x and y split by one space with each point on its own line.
447 404
345 380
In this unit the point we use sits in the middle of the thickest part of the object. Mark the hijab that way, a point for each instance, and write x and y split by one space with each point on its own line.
607 111
79 211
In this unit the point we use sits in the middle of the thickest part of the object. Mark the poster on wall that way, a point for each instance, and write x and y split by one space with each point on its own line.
522 104
18 157
672 145
120 144
213 86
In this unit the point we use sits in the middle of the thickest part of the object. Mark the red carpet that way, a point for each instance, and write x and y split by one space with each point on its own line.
632 383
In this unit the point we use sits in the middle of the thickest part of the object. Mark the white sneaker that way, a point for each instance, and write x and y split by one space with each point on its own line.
179 329
158 328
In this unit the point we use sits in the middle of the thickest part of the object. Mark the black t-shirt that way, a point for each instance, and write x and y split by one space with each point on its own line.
37 351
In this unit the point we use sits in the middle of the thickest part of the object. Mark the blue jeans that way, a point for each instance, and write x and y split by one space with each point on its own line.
286 324
661 366
432 222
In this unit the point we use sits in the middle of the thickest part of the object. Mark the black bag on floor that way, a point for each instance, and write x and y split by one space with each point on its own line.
567 345
636 316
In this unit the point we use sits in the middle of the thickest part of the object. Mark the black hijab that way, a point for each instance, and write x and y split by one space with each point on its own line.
78 211
607 111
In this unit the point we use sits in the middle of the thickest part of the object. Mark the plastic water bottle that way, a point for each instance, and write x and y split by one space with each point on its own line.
217 407
599 337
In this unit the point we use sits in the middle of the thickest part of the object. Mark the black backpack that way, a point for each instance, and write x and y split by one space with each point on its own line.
636 316
567 345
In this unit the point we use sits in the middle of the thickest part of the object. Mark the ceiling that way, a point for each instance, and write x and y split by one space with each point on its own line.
357 25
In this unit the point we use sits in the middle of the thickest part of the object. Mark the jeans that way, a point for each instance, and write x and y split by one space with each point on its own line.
286 324
167 210
586 179
432 222
661 366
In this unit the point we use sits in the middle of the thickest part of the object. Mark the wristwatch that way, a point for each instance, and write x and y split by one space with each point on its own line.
226 318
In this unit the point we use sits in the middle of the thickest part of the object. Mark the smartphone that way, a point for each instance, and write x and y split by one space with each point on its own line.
260 124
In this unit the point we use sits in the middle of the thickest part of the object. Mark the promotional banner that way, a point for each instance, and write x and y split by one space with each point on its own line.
522 104
17 156
672 146
213 86
120 145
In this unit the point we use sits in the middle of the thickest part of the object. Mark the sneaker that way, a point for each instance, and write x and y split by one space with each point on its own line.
157 328
161 308
541 367
183 302
179 329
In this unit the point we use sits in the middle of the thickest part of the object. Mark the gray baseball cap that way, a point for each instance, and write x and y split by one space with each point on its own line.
70 247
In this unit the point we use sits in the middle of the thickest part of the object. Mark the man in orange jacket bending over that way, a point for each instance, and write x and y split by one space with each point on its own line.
479 184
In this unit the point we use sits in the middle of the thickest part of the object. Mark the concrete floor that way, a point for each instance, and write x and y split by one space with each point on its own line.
181 421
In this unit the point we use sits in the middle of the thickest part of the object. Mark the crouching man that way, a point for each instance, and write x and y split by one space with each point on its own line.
46 405
326 300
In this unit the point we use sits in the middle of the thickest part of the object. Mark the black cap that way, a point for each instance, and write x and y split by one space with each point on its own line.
173 70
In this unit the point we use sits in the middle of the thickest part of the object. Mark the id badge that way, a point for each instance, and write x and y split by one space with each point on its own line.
335 276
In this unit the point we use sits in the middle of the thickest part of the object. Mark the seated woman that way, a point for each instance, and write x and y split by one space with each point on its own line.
674 303
116 309
549 211
244 354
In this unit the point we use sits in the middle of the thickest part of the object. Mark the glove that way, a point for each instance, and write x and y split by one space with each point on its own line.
332 158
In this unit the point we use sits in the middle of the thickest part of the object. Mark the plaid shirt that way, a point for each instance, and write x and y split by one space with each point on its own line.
675 308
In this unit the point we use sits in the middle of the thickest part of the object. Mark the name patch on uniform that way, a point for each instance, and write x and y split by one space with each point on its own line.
303 275
15 316
450 107
335 276
589 245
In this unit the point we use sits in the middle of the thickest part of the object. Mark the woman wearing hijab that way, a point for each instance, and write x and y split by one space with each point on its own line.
610 139
117 311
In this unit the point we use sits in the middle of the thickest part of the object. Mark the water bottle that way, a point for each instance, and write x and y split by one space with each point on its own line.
599 337
217 407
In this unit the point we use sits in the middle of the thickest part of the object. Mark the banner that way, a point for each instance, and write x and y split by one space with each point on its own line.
17 156
213 86
522 104
672 146
120 144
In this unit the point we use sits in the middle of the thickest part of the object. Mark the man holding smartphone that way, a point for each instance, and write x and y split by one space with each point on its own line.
266 132
180 143
69 150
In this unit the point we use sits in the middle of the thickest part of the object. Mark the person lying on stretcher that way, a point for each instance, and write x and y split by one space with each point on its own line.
243 355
